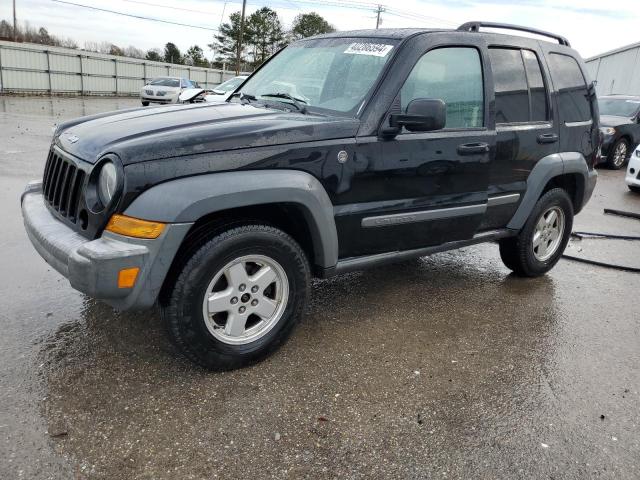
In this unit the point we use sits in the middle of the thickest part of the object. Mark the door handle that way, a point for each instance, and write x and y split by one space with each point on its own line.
547 138
473 148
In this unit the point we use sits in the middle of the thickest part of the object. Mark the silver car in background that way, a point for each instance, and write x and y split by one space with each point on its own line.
164 90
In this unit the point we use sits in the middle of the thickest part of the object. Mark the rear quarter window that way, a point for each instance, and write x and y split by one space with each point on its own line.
573 94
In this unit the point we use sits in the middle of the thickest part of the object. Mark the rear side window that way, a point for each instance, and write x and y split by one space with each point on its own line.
573 94
519 86
537 91
454 75
510 83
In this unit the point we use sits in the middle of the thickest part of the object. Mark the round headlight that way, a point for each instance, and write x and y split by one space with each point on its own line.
107 183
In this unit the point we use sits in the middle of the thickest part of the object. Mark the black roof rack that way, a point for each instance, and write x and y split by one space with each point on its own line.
475 27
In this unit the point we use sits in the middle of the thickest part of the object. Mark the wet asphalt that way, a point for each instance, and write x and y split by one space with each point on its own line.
443 367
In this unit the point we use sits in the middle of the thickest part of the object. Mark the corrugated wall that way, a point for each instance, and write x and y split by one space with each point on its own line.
34 68
617 72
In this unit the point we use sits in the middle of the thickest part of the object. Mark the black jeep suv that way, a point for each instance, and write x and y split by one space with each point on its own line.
343 151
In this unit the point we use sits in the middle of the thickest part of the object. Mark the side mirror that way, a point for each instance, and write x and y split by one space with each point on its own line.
422 115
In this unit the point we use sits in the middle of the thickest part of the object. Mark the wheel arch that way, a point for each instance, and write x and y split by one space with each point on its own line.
291 200
567 170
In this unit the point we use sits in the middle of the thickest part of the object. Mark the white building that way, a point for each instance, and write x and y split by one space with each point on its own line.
617 71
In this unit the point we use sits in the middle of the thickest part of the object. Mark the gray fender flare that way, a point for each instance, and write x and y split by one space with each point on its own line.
188 199
547 168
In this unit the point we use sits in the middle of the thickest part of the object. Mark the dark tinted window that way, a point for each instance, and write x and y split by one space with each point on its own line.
453 75
536 86
510 81
573 98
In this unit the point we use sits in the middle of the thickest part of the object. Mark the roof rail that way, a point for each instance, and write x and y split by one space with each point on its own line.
475 27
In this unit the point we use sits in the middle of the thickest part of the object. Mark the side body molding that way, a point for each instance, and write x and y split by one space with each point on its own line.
187 199
547 168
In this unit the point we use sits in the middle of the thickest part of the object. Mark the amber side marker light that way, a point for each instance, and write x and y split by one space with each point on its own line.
134 227
127 277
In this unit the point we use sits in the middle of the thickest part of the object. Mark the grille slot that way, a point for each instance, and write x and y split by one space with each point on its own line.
61 185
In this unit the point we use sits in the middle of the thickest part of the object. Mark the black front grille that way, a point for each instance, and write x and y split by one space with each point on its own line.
61 185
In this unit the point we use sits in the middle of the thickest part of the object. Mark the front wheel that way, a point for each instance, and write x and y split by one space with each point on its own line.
145 104
634 188
238 297
542 240
619 154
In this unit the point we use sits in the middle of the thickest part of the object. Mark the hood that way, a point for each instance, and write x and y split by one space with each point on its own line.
143 134
613 121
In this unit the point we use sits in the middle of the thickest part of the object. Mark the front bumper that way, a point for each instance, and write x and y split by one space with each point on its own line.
163 100
92 266
632 177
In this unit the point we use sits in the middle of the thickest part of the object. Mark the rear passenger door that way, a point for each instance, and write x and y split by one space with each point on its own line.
525 127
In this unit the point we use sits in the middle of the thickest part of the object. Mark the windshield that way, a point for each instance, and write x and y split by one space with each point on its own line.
230 84
618 107
331 74
166 82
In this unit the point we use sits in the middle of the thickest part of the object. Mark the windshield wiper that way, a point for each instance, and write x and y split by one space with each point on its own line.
297 102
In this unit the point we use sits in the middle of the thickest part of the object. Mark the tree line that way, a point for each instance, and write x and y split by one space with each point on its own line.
264 34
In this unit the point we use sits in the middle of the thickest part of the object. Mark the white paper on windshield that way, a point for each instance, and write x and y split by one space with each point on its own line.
374 49
633 101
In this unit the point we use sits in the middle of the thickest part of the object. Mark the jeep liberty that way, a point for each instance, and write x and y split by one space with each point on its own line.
343 151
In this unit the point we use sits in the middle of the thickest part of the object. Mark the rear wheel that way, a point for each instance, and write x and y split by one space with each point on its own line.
238 297
145 104
542 240
619 154
633 188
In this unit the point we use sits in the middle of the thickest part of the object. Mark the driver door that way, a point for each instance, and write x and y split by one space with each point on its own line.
433 185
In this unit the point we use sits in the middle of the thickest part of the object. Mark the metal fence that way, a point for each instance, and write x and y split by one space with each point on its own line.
617 72
31 68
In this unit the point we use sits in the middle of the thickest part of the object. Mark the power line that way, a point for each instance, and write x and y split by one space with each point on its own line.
416 16
149 4
140 17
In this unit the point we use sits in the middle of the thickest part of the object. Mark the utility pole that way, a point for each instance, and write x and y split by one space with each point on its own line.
15 24
238 55
379 10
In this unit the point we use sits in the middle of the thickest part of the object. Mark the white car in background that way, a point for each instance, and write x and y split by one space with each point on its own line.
633 171
165 90
216 95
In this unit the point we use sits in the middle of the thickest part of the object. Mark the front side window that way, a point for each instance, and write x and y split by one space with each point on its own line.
573 93
332 74
454 75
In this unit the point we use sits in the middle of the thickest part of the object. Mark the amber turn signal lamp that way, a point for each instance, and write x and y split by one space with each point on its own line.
127 277
134 227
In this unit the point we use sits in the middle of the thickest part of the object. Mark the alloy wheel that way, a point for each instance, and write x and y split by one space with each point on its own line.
548 234
245 299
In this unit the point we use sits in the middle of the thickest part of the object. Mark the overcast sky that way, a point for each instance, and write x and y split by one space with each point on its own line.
592 26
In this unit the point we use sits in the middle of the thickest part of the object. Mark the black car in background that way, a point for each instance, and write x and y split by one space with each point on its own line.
620 126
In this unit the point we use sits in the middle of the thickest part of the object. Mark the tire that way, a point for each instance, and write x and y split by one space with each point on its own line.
619 154
521 255
217 341
145 104
634 188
